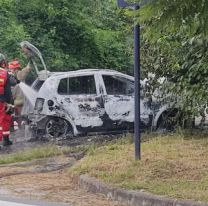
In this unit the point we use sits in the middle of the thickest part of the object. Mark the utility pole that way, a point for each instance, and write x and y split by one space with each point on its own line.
137 133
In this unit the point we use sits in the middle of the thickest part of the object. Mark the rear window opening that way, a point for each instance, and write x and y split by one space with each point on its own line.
37 84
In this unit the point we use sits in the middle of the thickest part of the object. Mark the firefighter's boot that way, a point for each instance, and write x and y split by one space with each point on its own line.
6 141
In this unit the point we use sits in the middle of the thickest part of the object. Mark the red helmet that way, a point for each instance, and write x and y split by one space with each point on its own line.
14 65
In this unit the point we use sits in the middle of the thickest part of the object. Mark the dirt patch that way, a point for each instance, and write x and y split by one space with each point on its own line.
55 186
48 179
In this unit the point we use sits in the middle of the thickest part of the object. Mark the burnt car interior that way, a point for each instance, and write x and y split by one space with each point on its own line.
118 86
77 85
37 85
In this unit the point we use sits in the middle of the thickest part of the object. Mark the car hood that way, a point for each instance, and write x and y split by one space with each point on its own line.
35 59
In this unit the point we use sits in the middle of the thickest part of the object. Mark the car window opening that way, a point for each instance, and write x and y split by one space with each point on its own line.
118 86
77 85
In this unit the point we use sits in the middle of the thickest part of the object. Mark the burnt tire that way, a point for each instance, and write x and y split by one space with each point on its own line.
169 120
58 128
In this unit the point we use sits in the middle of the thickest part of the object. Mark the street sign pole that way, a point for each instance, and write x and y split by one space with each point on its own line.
137 132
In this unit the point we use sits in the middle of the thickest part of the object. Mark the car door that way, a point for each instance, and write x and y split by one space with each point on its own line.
82 102
118 101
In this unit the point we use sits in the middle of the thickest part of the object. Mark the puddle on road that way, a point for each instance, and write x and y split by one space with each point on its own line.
37 166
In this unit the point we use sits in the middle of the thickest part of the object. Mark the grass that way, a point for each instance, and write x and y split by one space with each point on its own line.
38 153
174 165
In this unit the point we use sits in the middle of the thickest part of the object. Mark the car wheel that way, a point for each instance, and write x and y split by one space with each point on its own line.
169 120
58 128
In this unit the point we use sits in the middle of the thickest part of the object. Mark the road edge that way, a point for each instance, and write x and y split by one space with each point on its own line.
129 197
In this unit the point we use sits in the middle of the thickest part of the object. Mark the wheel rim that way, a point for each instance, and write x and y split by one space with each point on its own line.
56 128
169 120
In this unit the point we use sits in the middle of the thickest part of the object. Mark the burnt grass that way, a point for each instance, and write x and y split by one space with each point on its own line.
97 139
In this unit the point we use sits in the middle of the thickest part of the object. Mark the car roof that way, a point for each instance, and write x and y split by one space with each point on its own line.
88 71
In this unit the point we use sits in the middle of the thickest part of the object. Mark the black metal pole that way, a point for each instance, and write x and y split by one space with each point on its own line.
137 132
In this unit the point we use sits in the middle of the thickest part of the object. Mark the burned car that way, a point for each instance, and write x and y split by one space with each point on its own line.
88 100
82 101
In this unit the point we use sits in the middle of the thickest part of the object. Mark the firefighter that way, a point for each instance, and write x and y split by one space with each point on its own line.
18 96
6 107
15 68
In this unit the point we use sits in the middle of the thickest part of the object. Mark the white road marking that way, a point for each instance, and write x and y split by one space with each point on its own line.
6 203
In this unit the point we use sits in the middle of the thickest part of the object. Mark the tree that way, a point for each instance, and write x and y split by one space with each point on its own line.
70 34
10 31
175 35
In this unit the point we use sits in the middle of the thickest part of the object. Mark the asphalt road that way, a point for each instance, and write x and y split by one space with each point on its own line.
6 201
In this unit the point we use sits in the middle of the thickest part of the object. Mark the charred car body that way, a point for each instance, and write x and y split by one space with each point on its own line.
89 100
84 101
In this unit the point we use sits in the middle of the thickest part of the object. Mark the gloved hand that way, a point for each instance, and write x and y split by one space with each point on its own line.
9 109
